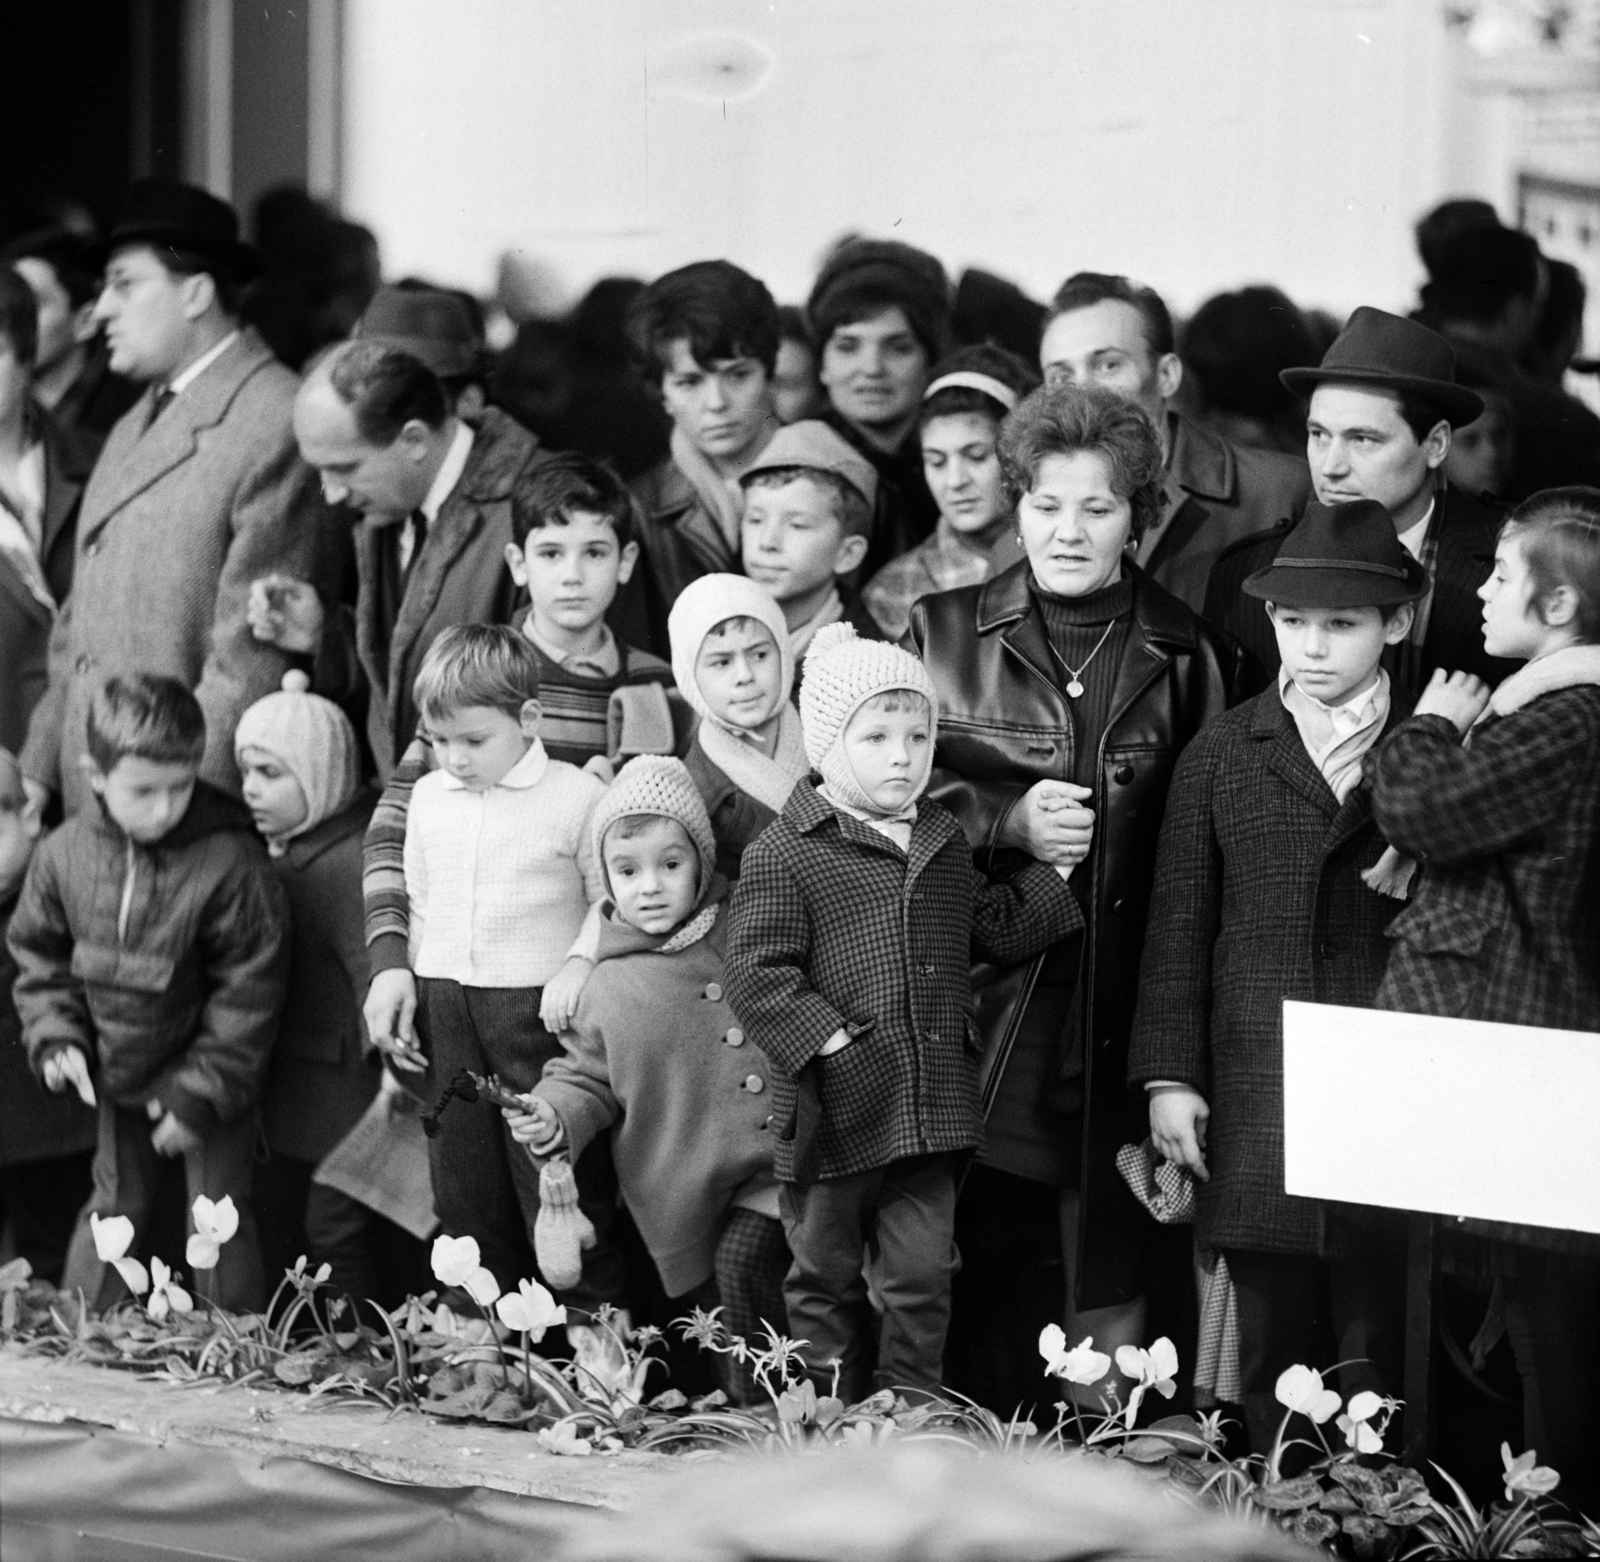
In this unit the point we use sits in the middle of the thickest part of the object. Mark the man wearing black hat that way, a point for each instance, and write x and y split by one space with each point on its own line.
199 489
1383 403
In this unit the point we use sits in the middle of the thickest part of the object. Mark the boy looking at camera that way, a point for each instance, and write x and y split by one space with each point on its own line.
151 943
855 922
1271 884
808 504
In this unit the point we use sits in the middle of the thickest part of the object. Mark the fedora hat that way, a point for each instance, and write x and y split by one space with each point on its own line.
1391 353
167 215
1341 555
430 324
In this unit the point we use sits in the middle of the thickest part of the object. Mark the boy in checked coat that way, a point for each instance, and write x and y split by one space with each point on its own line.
856 918
1267 888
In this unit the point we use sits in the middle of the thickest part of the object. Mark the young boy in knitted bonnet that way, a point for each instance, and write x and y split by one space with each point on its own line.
655 1055
300 768
732 663
856 919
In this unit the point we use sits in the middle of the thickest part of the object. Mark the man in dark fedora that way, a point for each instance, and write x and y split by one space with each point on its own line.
441 327
1383 403
199 490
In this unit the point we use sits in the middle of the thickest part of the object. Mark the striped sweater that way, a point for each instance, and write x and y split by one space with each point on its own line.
572 727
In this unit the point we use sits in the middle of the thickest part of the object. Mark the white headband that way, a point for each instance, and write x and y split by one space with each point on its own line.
967 379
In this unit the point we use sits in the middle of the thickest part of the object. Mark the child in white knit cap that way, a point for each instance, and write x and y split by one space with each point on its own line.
655 1056
300 767
732 663
856 918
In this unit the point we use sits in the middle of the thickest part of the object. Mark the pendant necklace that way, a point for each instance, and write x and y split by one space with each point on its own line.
1075 675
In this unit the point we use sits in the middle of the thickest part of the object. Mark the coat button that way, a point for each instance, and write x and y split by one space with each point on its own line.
928 968
1329 949
769 1122
714 991
735 1037
1122 775
1117 904
754 1083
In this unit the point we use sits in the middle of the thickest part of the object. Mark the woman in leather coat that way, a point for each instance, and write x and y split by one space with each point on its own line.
1067 688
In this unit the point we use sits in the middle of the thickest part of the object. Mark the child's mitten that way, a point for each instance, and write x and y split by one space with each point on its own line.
562 1231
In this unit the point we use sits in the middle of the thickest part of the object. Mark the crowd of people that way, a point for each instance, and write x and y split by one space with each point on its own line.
868 808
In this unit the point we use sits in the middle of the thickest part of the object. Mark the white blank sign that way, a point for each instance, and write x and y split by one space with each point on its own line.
1457 1117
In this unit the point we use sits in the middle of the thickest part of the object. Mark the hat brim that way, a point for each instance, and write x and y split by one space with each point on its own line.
242 262
1455 402
1333 588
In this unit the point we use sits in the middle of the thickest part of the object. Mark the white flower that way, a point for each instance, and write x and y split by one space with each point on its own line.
1525 1478
531 1310
456 1262
113 1236
165 1295
1300 1389
1082 1364
1154 1368
561 1439
214 1224
1355 1424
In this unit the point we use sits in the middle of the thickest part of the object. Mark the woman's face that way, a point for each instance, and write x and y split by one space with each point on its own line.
962 466
1074 525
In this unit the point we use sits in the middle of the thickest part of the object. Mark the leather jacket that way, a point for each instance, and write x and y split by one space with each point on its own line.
1003 722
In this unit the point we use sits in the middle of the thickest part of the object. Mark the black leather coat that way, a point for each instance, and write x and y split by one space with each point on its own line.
1002 725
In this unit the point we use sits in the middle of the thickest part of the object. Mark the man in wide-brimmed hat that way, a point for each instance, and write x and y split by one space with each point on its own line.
199 489
1383 403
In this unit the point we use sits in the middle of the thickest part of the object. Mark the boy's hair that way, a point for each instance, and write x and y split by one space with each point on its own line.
850 508
144 716
1084 289
385 389
13 795
896 700
720 311
19 317
736 624
1559 531
476 664
1015 373
569 484
1066 419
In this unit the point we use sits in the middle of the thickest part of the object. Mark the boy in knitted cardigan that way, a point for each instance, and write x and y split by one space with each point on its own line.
856 918
655 1056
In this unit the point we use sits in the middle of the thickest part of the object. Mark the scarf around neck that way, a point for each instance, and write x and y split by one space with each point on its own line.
1337 737
739 758
692 931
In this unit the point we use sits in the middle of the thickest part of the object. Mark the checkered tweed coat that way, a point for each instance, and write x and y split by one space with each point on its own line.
834 927
1258 898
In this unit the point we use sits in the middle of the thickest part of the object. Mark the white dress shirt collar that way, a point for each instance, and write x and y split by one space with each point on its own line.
181 381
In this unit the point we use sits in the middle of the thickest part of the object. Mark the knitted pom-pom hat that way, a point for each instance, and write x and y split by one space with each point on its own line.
654 784
842 673
312 739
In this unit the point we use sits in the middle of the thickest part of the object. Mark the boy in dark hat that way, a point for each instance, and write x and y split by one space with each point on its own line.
1384 403
880 313
1266 890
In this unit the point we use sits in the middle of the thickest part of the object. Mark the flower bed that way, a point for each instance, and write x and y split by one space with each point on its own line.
430 1359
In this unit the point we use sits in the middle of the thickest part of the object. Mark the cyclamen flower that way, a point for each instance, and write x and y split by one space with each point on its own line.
165 1295
113 1236
1525 1478
214 1224
456 1262
1359 1434
531 1309
1082 1364
1154 1368
1300 1389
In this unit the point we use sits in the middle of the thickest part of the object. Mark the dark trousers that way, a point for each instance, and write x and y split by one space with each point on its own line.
485 1185
751 1261
127 1173
905 1212
371 1258
1296 1309
40 1201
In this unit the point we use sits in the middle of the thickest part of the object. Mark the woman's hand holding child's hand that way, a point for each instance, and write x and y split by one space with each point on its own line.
1458 697
561 994
539 1127
1178 1117
1051 823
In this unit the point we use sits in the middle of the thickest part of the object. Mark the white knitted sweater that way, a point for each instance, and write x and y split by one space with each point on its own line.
500 881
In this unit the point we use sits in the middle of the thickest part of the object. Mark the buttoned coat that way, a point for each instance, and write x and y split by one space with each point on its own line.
1005 724
459 577
835 928
178 518
25 621
1258 898
1230 492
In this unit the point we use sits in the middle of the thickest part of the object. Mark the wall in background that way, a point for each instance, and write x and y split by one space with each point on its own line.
1198 144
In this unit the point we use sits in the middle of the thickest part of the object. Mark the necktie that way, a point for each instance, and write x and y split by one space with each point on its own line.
416 535
163 399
